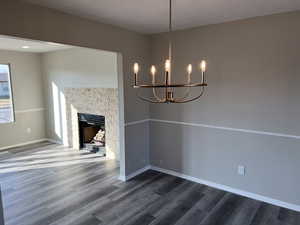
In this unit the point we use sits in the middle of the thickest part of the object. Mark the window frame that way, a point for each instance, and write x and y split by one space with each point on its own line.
13 120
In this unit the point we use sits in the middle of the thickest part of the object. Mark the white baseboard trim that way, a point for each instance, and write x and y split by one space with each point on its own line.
134 174
54 141
22 144
230 189
122 178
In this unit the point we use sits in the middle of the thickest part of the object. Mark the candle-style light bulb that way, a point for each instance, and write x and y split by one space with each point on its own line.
168 65
189 69
136 68
203 69
135 71
153 71
203 65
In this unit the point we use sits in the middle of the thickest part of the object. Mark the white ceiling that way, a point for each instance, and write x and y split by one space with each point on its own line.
151 16
17 44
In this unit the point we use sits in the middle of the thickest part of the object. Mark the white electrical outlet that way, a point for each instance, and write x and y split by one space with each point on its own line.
241 170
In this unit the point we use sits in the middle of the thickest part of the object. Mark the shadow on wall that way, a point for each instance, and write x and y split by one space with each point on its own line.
67 103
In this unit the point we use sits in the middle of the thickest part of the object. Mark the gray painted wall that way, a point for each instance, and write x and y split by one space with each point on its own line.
253 78
38 23
138 138
74 68
27 86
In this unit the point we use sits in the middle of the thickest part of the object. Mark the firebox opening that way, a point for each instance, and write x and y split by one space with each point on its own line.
92 132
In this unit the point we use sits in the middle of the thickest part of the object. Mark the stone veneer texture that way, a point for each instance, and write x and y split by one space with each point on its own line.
98 101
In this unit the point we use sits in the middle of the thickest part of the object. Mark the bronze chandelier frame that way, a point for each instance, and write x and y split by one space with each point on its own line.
167 85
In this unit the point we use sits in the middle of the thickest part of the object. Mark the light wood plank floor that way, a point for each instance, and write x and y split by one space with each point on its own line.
50 185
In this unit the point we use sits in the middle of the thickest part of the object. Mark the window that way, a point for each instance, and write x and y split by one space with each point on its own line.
6 99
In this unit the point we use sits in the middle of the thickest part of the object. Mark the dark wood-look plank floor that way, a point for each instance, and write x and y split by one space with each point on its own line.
47 184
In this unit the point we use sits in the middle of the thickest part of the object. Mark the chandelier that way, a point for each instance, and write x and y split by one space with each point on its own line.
167 86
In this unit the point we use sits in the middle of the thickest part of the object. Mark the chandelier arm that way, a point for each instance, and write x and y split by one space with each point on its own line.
187 93
155 95
188 90
150 100
182 100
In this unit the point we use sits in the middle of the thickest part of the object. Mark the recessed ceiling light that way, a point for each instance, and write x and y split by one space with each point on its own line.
25 47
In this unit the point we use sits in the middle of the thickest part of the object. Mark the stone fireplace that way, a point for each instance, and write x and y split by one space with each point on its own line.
98 103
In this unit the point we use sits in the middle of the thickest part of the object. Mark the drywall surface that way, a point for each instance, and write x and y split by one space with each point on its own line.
78 69
38 23
249 114
27 88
